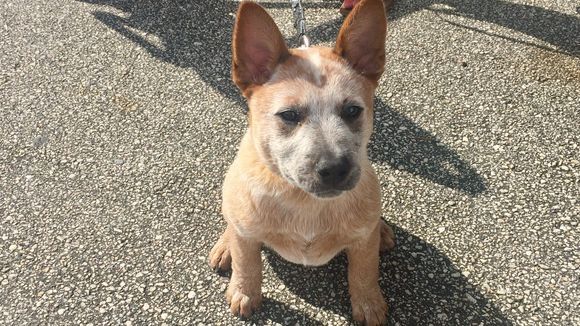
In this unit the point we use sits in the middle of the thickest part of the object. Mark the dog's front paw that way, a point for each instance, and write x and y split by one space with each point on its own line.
219 256
244 298
387 237
369 308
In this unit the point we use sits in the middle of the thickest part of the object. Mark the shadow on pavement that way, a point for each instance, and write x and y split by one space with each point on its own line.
405 146
421 284
555 28
188 34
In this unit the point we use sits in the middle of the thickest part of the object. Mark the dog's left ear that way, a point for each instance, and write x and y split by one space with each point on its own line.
257 46
361 40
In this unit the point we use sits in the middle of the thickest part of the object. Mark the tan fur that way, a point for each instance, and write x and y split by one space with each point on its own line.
300 227
260 205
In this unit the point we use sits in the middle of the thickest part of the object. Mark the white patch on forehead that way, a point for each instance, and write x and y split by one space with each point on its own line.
315 59
315 66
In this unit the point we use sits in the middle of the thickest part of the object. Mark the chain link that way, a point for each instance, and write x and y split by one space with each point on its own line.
300 23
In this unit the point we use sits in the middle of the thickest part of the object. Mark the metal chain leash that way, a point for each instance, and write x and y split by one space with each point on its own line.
300 23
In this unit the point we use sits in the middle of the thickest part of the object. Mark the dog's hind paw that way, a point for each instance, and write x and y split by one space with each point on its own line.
219 256
387 237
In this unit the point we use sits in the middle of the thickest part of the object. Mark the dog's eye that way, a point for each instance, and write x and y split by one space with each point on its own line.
290 116
351 112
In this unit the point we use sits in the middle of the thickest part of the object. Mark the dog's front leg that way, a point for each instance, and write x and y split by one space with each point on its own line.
368 304
244 293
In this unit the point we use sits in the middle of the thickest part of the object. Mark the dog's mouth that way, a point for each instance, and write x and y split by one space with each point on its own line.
327 193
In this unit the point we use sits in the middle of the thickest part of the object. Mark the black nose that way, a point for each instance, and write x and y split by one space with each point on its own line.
333 172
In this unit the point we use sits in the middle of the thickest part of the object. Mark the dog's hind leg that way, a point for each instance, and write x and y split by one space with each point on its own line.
387 237
220 257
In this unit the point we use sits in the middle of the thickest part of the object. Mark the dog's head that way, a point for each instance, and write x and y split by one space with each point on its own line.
311 109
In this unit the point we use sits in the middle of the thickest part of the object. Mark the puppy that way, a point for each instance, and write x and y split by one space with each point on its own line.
301 183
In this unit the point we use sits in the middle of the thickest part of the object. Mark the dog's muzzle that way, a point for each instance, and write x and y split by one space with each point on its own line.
335 176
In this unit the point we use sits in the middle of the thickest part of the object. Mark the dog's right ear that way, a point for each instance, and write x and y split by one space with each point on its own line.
257 47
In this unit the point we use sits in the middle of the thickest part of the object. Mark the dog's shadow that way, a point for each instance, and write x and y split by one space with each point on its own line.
421 284
404 145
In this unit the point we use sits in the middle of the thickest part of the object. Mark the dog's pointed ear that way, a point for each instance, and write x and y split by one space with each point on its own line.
257 47
361 40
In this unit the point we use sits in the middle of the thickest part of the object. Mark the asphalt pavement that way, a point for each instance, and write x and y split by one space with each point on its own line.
118 121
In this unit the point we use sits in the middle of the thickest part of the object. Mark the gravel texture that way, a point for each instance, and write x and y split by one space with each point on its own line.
119 121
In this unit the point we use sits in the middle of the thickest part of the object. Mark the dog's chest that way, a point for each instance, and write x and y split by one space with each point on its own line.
307 236
306 250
